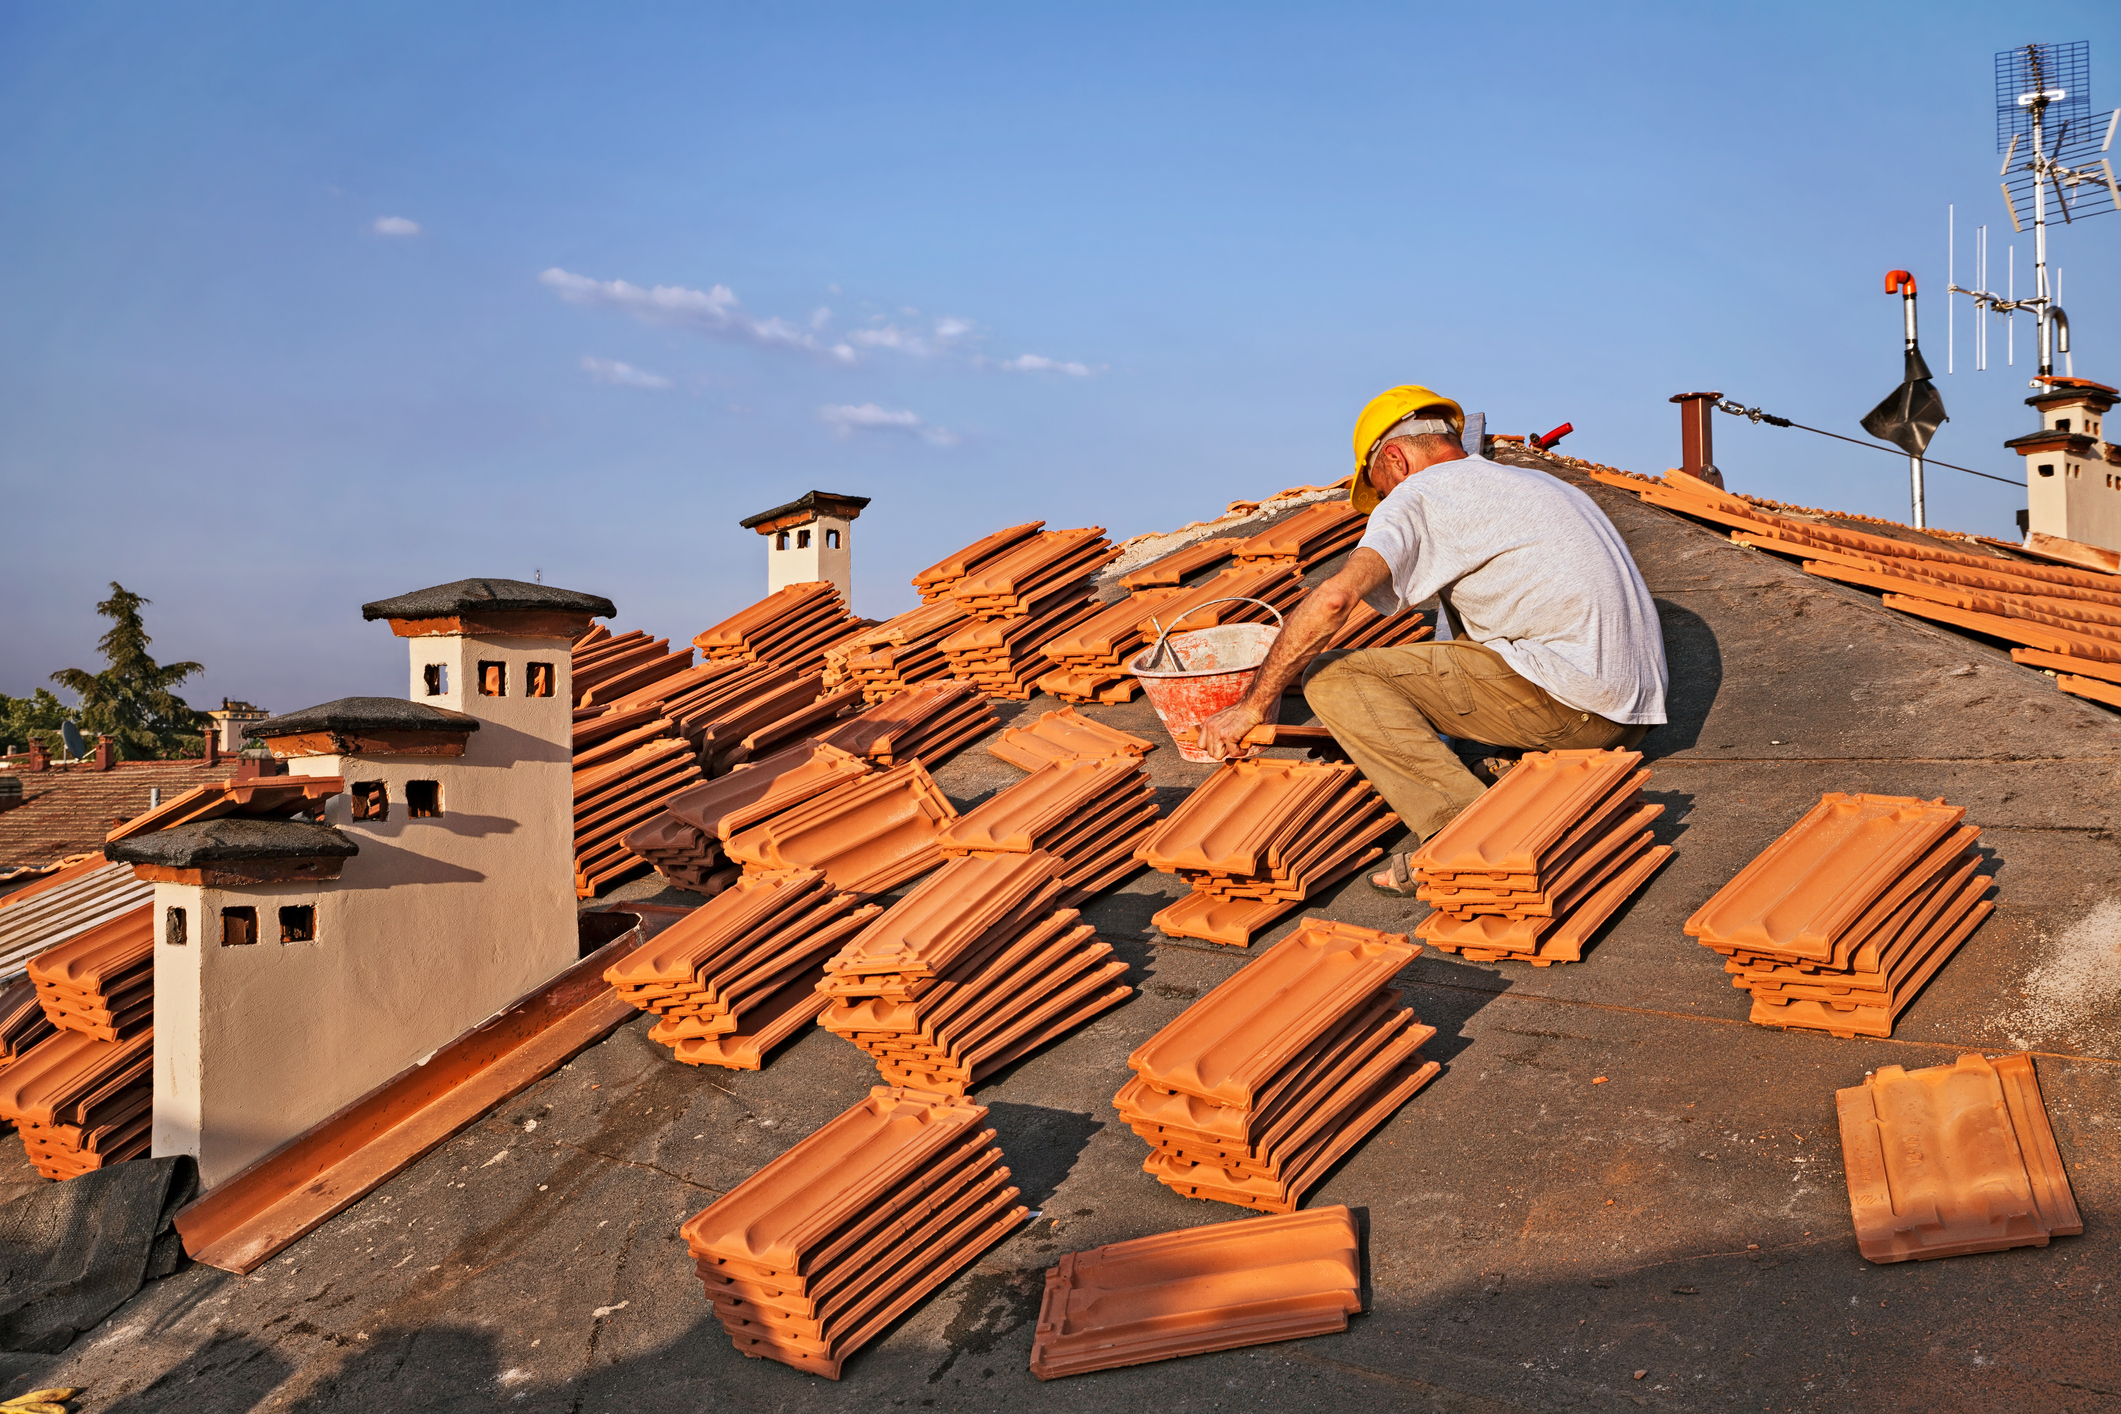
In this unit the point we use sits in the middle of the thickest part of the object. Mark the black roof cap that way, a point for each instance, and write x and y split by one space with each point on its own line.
231 837
826 501
490 595
364 714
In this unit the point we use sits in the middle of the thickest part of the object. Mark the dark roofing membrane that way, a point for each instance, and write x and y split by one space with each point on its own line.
229 838
364 714
826 501
490 595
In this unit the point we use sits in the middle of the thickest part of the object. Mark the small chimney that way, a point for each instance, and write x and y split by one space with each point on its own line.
106 752
38 761
808 540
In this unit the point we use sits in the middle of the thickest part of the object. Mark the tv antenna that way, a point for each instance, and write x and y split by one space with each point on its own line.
2054 148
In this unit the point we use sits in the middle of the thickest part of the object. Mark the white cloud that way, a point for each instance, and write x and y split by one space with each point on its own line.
915 343
846 419
1039 363
625 375
395 226
716 312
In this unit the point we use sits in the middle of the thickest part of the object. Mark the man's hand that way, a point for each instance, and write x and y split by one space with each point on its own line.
1222 735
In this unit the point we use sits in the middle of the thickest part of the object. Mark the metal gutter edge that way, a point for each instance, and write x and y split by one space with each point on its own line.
246 1219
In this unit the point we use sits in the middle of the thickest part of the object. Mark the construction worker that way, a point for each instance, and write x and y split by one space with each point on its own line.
1549 639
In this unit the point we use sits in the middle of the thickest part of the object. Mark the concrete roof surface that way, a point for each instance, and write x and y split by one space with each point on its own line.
1534 1237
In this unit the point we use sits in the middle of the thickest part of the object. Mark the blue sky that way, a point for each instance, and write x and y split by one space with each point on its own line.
313 305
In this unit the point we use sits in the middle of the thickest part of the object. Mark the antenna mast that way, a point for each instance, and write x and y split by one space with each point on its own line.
2043 108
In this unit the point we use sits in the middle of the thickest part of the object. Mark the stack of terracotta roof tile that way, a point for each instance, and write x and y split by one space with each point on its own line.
926 723
818 1252
1033 574
791 627
684 840
1953 1159
738 975
897 653
2068 618
1262 1085
618 784
81 1103
101 983
868 835
1312 536
604 667
1366 628
938 580
1089 816
1840 922
971 971
1094 656
1004 655
1259 837
1066 735
1536 865
22 1020
1205 1288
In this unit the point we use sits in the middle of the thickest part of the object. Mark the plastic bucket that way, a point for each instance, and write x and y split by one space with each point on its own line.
1220 664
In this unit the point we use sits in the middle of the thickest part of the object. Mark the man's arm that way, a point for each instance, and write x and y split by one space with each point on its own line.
1309 629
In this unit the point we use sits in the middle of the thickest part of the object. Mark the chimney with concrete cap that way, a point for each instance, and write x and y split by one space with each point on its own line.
807 540
301 963
2072 470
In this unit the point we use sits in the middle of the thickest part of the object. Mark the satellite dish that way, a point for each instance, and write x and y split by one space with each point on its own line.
71 735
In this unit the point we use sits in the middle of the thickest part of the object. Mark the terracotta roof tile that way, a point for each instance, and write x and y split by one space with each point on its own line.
941 577
1065 735
868 835
1200 1289
64 906
102 982
822 1248
1231 1042
1953 1159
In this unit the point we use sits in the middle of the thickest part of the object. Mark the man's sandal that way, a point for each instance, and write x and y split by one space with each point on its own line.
1402 883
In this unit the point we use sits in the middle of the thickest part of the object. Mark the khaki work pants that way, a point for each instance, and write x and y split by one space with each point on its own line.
1386 707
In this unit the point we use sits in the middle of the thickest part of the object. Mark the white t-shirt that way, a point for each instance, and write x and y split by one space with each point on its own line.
1532 569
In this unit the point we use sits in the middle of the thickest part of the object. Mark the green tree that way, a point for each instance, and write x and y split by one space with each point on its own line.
33 718
131 700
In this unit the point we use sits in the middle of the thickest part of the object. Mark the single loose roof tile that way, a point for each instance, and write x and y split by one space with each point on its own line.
1942 1161
233 837
1801 892
1206 1288
503 595
1233 1040
349 716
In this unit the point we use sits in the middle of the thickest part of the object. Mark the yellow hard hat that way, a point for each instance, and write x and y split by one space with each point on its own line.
1389 407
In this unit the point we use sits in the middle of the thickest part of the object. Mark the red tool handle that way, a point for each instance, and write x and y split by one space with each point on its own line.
1556 435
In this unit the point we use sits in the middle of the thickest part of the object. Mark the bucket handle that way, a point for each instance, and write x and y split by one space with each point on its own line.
1162 633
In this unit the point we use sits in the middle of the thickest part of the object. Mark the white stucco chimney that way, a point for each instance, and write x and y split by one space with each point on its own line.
808 539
